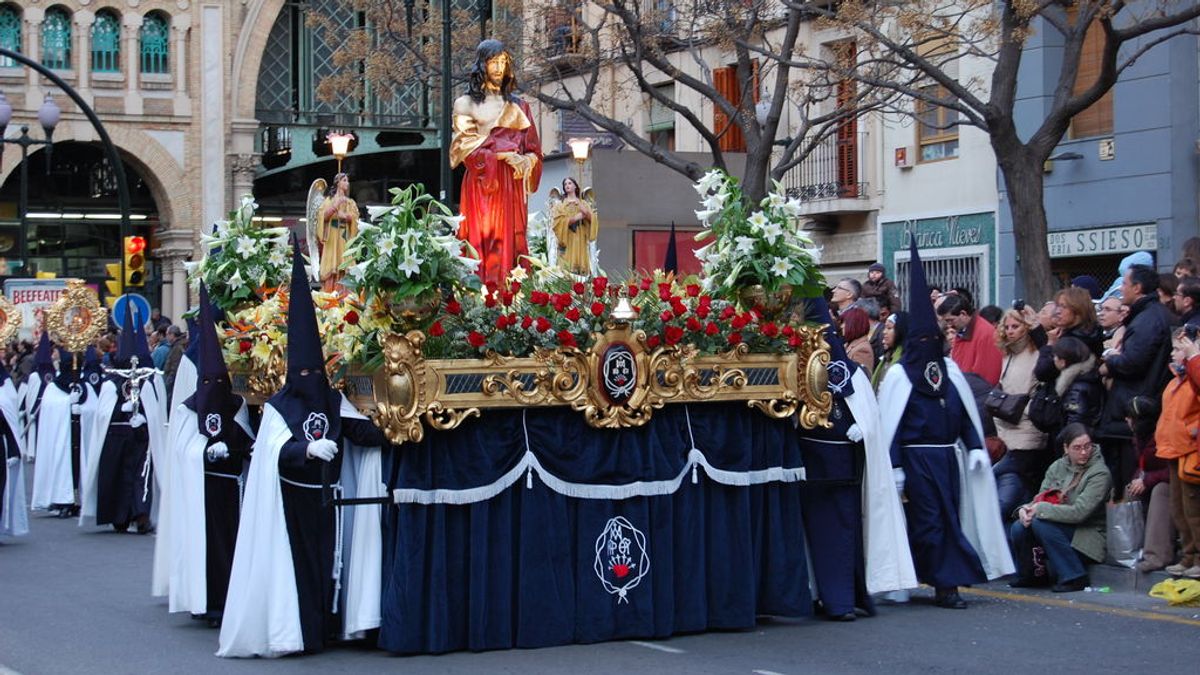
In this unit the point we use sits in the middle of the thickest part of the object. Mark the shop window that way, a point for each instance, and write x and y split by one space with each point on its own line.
106 43
10 33
154 45
56 39
1096 120
951 271
937 126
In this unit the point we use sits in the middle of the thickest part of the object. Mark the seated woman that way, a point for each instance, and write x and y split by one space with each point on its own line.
1067 517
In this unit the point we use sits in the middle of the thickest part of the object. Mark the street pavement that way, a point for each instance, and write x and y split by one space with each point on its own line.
78 601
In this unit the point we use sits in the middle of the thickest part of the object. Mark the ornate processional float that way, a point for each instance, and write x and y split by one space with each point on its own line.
416 340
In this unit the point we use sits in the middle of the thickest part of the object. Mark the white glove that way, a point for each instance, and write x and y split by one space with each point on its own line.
898 477
323 450
978 459
74 397
12 461
854 434
137 420
76 409
127 406
217 451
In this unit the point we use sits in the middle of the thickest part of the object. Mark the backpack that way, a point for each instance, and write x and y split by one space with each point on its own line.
1045 408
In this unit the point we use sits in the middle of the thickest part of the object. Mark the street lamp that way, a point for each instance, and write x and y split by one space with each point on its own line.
580 148
48 116
339 145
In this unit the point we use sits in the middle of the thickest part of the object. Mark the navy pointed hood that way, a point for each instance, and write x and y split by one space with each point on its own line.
141 344
214 402
923 357
192 353
93 372
309 405
43 360
66 378
126 342
841 368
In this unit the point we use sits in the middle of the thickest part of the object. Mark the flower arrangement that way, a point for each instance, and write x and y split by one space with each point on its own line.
516 320
409 249
243 262
753 246
348 330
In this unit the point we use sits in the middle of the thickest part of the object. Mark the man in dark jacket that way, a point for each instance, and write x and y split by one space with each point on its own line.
1137 368
881 288
1187 301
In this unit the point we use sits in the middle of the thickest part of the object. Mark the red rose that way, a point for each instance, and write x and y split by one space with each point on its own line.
646 284
352 318
598 308
514 287
506 298
693 323
578 287
527 322
502 322
693 290
599 285
633 291
562 301
490 286
666 315
452 307
787 331
543 324
489 301
734 339
794 341
244 346
565 338
769 329
652 342
476 339
757 311
572 314
678 307
728 312
702 311
739 322
540 298
664 292
711 329
674 334
706 299
436 329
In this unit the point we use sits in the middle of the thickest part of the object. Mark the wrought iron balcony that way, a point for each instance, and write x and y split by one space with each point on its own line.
831 179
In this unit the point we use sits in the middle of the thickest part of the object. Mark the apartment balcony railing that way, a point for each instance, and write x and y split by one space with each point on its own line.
834 171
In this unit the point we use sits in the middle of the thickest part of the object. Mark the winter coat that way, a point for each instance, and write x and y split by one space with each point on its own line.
1152 468
1082 394
1045 369
1175 435
1082 506
861 353
1140 369
975 351
1018 379
884 291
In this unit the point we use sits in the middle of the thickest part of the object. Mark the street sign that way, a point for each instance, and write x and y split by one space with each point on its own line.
141 309
33 297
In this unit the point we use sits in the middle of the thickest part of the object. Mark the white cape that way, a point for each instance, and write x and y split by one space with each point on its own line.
185 386
979 506
15 521
156 428
885 535
53 481
181 535
262 611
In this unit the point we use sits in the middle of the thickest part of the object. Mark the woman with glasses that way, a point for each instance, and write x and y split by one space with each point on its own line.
1066 519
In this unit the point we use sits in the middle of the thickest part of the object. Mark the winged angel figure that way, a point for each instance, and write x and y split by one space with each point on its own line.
574 224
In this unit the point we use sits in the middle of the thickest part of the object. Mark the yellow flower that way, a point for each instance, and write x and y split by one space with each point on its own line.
261 350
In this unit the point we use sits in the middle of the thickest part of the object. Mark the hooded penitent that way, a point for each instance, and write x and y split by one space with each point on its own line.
93 373
841 368
43 360
214 402
306 401
66 378
924 345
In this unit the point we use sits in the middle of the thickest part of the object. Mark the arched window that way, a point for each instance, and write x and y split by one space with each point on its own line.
10 33
155 44
56 39
106 43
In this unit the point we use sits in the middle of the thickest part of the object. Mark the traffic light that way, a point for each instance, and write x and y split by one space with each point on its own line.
113 284
135 261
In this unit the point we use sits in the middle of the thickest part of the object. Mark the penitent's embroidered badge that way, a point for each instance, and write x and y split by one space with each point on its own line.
933 375
316 426
212 424
621 558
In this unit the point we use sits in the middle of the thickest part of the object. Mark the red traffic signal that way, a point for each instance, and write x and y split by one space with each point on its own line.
135 244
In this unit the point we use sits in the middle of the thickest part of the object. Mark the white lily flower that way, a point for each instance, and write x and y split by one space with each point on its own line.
709 181
249 206
359 271
782 267
235 282
410 238
701 253
703 216
453 221
791 208
470 263
386 246
771 232
745 244
716 201
411 265
774 200
517 274
377 212
757 220
245 246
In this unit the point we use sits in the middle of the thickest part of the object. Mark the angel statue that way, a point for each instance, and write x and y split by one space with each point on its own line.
575 223
332 221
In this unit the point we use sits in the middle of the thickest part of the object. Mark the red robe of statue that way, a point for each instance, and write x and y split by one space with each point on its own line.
494 199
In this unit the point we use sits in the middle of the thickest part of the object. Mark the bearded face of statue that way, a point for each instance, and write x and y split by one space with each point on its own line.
497 68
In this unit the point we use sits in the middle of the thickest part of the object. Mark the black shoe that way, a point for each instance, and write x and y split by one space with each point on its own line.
848 616
120 527
949 599
1026 582
1071 585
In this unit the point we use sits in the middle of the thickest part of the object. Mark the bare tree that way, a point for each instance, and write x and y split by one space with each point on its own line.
909 45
